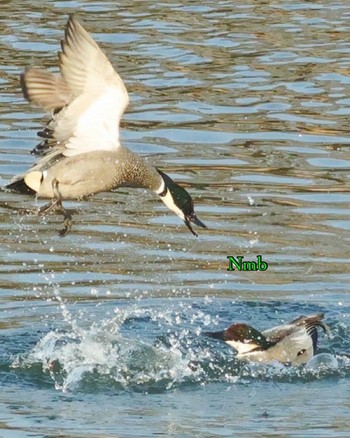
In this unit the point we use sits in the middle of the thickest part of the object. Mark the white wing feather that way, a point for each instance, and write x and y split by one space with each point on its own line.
94 115
98 98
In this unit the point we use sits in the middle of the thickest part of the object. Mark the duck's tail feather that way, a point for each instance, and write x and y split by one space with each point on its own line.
20 186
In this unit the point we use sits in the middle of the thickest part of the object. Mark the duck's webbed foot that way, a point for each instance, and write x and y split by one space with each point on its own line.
56 205
48 208
67 223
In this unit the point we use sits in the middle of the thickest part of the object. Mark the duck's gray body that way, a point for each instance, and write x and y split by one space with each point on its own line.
294 343
82 153
78 176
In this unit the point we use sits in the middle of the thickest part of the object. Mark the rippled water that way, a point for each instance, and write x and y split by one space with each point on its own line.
246 105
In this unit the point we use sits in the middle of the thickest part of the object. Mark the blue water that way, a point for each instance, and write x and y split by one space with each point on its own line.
244 104
149 365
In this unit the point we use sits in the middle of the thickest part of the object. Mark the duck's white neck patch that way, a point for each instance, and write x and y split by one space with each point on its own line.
241 347
169 202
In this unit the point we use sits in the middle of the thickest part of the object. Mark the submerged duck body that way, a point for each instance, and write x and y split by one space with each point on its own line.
81 153
294 342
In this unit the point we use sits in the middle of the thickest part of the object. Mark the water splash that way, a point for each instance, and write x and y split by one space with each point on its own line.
153 349
83 357
154 346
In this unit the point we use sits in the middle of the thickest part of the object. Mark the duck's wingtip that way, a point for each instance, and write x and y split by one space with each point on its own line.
325 327
22 81
71 19
318 320
71 25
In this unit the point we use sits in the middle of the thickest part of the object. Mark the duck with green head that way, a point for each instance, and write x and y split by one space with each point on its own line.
292 343
81 152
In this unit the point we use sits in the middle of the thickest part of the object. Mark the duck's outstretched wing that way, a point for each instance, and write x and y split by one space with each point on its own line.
88 98
301 331
48 90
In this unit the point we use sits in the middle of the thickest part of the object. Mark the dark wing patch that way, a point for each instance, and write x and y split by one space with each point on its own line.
20 186
46 146
311 329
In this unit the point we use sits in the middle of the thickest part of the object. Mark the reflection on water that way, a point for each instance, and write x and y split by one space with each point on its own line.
247 106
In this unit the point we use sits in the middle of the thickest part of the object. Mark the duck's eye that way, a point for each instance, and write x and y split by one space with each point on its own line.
301 352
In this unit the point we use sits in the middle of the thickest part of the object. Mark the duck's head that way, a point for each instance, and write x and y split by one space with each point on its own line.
242 337
179 201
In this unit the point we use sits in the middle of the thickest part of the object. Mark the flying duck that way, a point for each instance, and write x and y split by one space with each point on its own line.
81 152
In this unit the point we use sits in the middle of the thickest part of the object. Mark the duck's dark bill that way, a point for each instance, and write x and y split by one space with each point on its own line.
194 219
216 335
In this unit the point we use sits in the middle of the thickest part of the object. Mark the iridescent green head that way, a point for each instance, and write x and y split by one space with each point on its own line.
180 202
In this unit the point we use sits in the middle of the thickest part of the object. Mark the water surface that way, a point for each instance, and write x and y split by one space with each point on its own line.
244 104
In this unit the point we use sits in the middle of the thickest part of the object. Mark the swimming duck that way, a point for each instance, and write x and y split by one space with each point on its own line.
294 342
81 151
